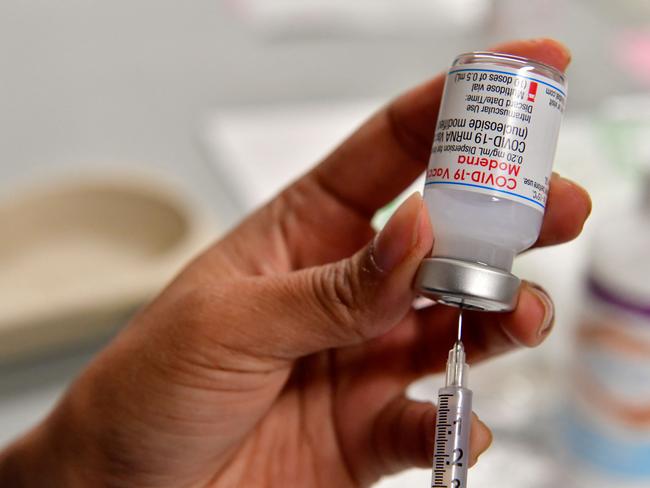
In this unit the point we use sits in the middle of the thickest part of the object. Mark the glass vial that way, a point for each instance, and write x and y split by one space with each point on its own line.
488 176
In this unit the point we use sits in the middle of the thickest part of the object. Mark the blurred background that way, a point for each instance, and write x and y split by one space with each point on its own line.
133 133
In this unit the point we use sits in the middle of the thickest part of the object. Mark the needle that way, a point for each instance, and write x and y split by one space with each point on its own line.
454 410
460 324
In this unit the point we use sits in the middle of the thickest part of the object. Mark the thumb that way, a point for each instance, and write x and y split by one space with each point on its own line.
349 301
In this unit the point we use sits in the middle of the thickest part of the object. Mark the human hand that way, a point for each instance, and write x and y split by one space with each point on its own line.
280 356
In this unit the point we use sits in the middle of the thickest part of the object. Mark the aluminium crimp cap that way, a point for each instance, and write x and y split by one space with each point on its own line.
470 285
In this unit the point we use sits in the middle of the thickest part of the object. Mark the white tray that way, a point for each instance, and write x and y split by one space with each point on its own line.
78 255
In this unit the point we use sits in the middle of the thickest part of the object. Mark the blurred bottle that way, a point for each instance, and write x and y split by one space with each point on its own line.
607 424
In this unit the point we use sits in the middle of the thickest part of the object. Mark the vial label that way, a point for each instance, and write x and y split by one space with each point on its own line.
496 133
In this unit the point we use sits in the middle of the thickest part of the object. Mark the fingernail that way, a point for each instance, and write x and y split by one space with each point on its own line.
400 234
549 308
566 52
585 193
579 188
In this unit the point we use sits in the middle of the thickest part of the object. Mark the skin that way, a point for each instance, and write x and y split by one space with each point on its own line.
280 356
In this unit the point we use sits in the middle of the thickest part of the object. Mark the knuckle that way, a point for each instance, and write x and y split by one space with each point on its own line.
290 214
194 305
185 317
340 294
203 326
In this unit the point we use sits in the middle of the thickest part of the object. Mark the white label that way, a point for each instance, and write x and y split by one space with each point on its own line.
496 133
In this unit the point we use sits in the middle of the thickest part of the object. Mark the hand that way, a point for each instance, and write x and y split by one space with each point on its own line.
280 356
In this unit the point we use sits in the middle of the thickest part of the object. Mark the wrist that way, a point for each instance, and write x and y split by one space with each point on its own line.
39 459
28 462
13 464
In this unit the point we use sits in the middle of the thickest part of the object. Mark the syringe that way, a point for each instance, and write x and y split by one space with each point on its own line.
451 449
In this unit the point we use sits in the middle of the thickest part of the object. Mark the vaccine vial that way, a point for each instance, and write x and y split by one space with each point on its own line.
488 176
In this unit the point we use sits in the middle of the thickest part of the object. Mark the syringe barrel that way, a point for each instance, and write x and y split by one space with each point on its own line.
451 449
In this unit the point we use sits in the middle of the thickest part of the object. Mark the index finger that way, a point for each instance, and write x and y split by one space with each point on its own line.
392 148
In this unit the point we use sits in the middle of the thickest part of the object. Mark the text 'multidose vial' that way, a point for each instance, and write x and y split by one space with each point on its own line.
488 176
